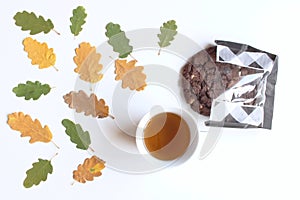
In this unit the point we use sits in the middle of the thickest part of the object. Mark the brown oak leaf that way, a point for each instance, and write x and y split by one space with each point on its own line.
87 61
132 76
90 168
89 105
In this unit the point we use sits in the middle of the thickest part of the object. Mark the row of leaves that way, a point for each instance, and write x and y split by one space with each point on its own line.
89 70
30 22
87 59
117 38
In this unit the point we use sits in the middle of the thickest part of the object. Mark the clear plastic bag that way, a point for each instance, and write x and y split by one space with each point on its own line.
249 102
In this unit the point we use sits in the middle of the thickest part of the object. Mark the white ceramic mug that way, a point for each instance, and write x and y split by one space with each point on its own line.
187 117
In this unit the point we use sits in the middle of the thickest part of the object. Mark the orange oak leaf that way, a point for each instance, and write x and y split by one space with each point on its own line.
90 168
132 76
29 128
39 53
87 61
89 105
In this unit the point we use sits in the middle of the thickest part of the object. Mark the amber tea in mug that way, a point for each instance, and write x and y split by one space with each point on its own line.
166 136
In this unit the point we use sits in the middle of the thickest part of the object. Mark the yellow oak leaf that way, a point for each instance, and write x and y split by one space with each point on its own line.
29 128
39 53
122 67
81 53
90 168
132 76
87 61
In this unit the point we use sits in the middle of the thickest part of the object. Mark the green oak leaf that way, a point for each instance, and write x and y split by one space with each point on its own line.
118 40
77 135
167 33
112 29
38 173
31 90
77 20
29 21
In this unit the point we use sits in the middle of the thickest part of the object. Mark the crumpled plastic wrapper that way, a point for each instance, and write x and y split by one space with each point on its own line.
250 101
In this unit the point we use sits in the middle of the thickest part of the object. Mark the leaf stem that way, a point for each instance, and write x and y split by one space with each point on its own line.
132 57
55 68
111 116
56 31
91 149
53 156
159 51
55 144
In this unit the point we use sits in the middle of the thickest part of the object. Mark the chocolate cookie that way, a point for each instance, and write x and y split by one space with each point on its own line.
204 79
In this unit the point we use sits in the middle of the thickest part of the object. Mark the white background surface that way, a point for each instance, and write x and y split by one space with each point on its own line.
246 164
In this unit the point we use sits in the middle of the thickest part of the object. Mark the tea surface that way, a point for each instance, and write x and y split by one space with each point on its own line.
166 136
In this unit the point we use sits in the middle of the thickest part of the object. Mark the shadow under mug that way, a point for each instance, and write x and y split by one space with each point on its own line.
193 131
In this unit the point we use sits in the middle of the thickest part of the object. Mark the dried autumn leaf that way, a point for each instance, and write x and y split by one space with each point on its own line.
118 40
89 105
29 21
39 172
81 53
90 168
29 128
87 61
167 33
132 76
31 90
39 53
77 135
77 20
